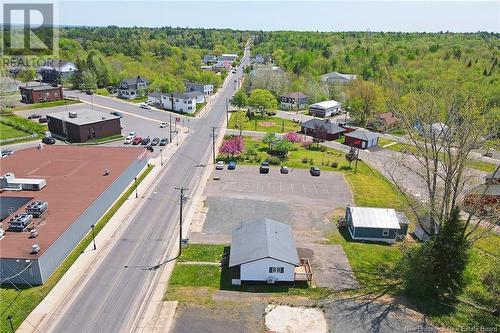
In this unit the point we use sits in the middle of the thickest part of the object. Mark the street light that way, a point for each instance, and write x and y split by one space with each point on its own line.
135 183
9 318
348 111
161 156
93 235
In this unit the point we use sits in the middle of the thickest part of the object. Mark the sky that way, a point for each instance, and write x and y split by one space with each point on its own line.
406 16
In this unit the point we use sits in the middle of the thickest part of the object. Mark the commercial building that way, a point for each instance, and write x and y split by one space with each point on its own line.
325 109
40 93
78 192
293 101
83 125
376 224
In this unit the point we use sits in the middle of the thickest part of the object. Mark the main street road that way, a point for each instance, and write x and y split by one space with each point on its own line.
110 299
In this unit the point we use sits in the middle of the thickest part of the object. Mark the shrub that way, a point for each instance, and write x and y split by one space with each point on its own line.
334 165
305 160
311 161
293 137
258 159
102 92
274 160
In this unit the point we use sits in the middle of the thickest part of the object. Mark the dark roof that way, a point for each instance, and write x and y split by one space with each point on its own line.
362 135
263 238
39 87
155 94
331 127
297 94
132 81
486 190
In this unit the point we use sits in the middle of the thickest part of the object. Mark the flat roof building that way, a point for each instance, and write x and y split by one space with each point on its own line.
325 109
40 93
78 195
83 125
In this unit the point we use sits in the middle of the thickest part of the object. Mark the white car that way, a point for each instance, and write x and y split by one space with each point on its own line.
219 165
132 134
145 106
163 125
128 140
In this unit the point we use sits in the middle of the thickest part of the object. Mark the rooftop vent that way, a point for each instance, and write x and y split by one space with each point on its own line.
35 248
72 114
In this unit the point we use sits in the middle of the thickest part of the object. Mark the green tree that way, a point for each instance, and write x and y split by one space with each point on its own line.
282 147
240 99
262 100
89 80
28 75
365 98
269 139
239 120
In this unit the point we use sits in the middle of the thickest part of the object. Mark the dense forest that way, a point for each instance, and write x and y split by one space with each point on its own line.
391 62
166 56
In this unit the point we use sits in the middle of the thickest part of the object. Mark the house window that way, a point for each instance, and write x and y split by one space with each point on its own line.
190 108
385 232
56 94
276 269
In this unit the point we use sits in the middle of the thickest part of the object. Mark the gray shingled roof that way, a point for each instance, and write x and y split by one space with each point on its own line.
297 94
331 127
263 238
362 135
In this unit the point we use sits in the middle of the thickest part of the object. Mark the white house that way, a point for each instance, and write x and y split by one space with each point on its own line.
325 109
132 87
206 89
55 71
263 250
337 78
180 102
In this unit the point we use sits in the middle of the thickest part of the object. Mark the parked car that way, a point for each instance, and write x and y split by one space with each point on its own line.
132 134
163 125
163 142
284 170
314 171
137 140
155 141
145 141
219 165
6 153
49 140
118 114
488 154
89 92
43 120
264 167
128 140
34 116
231 165
145 106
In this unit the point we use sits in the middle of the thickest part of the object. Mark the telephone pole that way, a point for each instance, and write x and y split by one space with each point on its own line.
183 197
213 143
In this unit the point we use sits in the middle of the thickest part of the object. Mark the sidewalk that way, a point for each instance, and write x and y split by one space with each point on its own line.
75 278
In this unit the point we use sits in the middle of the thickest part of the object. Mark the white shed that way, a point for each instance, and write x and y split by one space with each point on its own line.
263 250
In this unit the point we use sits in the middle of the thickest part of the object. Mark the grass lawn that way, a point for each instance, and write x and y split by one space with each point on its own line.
46 104
8 132
267 124
19 304
106 139
203 252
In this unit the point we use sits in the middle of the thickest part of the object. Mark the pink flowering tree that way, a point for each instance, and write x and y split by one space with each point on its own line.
233 146
293 137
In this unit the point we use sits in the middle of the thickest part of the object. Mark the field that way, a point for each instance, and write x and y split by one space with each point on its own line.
20 301
266 124
8 132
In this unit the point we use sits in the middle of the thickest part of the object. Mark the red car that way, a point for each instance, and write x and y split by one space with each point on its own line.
137 140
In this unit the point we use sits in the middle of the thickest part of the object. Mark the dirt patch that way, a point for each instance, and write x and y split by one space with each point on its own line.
280 318
267 123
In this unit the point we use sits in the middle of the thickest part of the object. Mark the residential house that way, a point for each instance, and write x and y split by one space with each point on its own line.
209 59
325 109
57 71
40 93
333 130
337 78
178 102
263 250
375 224
361 139
132 87
383 122
258 59
293 101
485 199
205 89
231 57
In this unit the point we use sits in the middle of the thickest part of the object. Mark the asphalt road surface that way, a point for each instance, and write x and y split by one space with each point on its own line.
110 300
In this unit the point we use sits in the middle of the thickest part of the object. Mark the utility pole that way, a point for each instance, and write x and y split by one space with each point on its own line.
183 198
213 143
135 183
170 127
93 236
227 113
356 164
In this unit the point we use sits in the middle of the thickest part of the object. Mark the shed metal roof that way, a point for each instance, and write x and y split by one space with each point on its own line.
362 135
325 105
263 238
368 217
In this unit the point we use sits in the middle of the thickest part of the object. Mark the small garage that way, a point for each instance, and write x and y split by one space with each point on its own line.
263 250
361 139
376 224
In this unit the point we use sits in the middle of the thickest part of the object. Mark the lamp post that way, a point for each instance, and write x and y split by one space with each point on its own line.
348 111
9 318
161 157
93 236
135 183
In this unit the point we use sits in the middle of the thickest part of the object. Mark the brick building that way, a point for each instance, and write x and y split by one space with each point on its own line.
40 93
